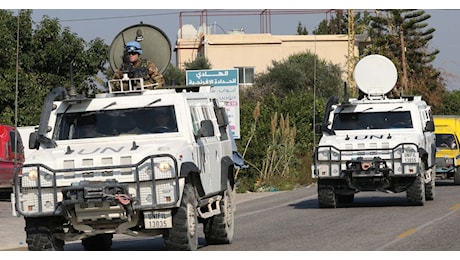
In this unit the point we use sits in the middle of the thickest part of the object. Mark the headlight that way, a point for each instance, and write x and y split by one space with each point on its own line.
164 168
407 149
32 175
327 153
29 177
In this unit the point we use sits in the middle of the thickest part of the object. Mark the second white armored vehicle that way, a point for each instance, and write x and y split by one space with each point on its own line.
375 143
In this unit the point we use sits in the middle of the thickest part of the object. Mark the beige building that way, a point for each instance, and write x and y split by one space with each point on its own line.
254 53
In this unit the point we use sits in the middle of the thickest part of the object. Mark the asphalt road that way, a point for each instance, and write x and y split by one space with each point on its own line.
12 235
292 221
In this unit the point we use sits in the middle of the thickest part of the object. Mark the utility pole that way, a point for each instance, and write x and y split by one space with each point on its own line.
351 50
403 61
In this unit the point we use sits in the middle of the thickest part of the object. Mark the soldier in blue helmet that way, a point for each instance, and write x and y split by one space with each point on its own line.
136 67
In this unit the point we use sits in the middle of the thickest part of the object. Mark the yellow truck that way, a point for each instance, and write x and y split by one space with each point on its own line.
447 130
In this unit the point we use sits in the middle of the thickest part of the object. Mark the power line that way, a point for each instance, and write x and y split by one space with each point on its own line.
118 17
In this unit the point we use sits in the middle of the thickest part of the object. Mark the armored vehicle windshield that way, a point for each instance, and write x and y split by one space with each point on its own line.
115 122
374 120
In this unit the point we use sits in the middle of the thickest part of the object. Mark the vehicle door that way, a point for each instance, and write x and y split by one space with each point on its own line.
209 149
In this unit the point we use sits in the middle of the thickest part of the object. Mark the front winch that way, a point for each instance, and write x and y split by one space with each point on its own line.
86 191
90 196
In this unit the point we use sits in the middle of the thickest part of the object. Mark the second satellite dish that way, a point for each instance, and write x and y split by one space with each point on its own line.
375 75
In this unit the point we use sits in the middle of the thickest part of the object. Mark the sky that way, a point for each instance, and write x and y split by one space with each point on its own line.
91 19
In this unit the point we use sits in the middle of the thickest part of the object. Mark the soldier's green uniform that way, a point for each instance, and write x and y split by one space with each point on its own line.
140 68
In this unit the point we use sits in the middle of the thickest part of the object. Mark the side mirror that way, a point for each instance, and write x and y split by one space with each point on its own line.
429 126
33 140
206 128
221 116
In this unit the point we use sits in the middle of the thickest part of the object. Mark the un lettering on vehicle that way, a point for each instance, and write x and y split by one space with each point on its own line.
157 219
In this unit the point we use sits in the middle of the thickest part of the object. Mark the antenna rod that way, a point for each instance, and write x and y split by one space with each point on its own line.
73 92
17 75
345 91
17 149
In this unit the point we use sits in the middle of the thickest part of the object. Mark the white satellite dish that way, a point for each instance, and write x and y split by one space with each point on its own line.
375 75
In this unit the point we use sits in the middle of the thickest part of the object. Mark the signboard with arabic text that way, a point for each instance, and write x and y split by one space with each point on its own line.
215 78
225 84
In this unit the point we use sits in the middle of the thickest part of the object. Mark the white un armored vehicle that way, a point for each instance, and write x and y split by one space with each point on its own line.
375 143
103 166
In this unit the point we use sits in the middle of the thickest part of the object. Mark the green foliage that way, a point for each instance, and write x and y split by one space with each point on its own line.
44 60
299 73
286 89
450 104
338 24
279 158
200 63
174 76
389 30
301 30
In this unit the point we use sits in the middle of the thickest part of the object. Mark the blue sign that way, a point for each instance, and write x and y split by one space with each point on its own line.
215 78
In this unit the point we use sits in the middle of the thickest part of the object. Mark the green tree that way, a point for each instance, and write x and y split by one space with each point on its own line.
393 30
295 89
335 25
298 73
301 30
200 63
45 57
174 76
450 104
338 24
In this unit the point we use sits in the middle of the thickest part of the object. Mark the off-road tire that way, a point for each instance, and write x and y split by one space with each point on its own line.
184 235
327 198
39 236
219 229
430 186
457 176
101 242
415 193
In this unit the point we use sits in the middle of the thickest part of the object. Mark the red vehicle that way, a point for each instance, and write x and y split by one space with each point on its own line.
11 154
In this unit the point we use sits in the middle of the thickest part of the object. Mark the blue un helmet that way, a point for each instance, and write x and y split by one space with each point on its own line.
134 46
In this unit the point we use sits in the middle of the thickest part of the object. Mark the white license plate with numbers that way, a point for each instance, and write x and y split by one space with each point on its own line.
410 158
157 219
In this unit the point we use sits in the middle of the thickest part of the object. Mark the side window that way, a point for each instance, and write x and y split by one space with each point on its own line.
16 143
205 111
426 116
12 143
199 113
195 120
209 114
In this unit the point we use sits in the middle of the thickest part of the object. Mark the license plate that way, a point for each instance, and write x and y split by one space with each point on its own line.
410 158
157 219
